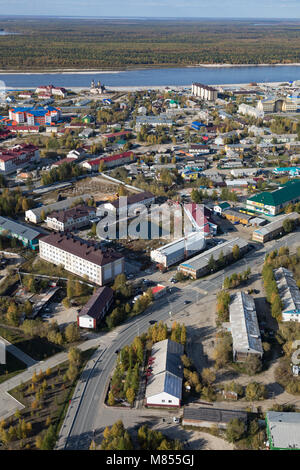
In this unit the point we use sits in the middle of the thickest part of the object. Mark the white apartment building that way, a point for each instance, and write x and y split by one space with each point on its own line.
71 219
204 92
81 257
248 110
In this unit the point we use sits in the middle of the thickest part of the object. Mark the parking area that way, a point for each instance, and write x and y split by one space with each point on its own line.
57 312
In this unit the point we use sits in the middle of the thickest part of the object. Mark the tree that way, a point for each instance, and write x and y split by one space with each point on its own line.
111 399
211 264
49 439
235 430
72 333
236 252
288 225
255 391
253 365
130 395
12 315
208 376
74 356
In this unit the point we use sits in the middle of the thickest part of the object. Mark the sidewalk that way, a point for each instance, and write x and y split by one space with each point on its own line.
8 405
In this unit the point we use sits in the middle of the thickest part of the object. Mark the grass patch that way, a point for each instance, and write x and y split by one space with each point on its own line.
52 406
36 347
12 367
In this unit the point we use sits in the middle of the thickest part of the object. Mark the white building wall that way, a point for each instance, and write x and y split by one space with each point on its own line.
85 321
163 399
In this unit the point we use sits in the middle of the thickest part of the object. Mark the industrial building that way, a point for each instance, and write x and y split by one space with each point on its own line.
289 294
34 215
199 265
274 202
209 417
246 340
237 217
96 308
270 231
81 257
177 250
283 430
165 373
23 232
204 92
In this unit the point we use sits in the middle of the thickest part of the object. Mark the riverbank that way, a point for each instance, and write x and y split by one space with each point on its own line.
162 88
137 68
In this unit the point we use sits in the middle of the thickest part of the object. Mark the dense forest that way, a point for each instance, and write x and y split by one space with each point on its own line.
49 43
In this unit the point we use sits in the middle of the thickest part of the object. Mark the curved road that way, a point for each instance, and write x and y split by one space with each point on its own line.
91 411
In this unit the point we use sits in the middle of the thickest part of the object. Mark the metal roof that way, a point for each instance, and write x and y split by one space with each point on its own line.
244 325
284 429
271 227
201 261
286 193
64 204
288 290
167 370
216 415
19 229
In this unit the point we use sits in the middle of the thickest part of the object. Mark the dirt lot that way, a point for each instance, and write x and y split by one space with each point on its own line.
99 188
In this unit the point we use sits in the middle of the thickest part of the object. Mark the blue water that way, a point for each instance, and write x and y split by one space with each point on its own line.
159 77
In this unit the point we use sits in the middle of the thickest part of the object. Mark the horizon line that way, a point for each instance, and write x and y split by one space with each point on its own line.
151 17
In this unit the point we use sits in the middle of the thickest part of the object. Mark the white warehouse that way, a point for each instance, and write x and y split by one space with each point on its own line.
177 250
164 387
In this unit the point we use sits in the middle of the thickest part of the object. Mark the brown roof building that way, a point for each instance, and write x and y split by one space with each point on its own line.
82 257
96 308
71 219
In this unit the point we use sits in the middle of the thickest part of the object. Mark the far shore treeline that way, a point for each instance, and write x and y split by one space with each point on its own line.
45 43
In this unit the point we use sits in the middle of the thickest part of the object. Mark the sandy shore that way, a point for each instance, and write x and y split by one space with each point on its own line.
133 69
152 87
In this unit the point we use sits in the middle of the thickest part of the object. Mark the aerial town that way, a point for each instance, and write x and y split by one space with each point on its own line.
150 267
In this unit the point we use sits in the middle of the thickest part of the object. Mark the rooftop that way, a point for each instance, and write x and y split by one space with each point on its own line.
89 251
288 192
284 429
95 305
244 325
216 415
288 290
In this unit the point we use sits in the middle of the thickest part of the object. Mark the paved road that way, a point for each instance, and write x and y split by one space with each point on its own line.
91 413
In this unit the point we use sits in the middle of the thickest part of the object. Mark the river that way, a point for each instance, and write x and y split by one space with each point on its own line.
157 77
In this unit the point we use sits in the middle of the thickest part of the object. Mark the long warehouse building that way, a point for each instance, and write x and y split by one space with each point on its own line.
270 231
289 294
199 265
246 340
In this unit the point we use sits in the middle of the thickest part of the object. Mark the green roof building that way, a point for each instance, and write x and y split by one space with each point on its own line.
274 202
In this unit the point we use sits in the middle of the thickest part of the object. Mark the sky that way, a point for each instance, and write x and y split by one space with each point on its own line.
155 8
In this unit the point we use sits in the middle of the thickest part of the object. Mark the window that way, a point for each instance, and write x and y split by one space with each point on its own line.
163 401
169 401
